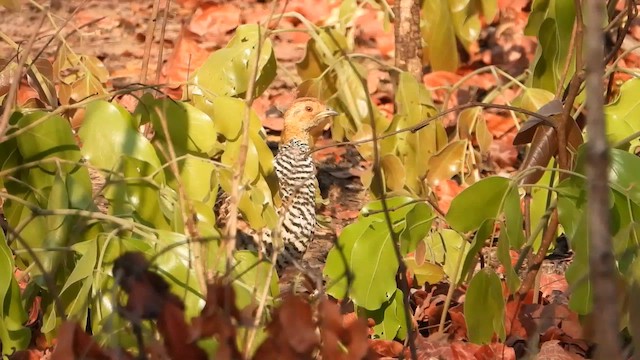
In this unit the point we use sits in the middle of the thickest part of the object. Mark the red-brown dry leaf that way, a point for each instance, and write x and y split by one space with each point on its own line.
187 56
369 27
458 328
513 326
314 10
446 190
495 351
334 154
553 350
551 282
174 330
26 355
503 153
73 343
213 22
295 325
386 347
351 332
499 124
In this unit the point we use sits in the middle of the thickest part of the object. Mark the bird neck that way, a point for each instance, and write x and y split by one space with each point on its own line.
290 133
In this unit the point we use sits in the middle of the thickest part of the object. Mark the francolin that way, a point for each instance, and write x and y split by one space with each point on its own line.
303 122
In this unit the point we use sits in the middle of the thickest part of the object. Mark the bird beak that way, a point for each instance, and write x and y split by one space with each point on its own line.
328 112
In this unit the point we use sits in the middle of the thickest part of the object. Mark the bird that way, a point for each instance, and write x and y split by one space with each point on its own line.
294 168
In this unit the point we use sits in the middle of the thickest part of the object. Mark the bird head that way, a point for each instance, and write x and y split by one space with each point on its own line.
304 118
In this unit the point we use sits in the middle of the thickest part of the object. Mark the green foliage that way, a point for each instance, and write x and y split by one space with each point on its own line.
622 115
551 21
52 205
484 308
446 22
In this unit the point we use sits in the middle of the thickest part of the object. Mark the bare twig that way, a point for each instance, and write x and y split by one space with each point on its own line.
165 18
186 208
15 84
148 41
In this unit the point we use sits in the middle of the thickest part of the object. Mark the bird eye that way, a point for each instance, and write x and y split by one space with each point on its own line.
308 108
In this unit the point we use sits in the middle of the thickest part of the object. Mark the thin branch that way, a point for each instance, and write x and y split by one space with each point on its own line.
15 84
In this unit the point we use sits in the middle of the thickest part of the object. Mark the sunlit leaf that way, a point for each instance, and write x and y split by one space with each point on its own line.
108 133
447 163
227 71
390 319
394 173
477 203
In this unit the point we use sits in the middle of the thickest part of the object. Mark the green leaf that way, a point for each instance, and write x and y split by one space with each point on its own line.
398 207
446 246
418 224
250 279
227 71
623 115
198 177
513 281
108 132
446 163
13 335
477 203
190 129
337 268
426 272
533 99
440 35
484 308
368 251
393 171
390 318
51 138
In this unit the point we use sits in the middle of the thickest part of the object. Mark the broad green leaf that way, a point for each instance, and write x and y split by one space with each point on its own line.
108 133
484 308
426 272
477 203
190 129
198 178
51 138
390 321
394 173
514 222
623 115
446 247
447 163
228 70
477 243
368 251
137 195
533 99
513 282
440 35
250 279
418 224
374 265
13 335
397 206
337 268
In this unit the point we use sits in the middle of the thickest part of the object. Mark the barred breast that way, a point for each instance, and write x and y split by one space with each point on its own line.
296 177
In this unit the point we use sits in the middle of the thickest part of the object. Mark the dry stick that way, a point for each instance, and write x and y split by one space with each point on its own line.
601 260
165 18
402 267
231 229
151 28
186 207
547 120
13 89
